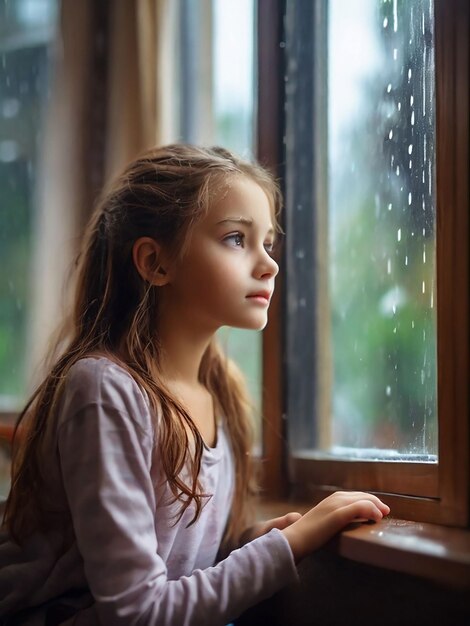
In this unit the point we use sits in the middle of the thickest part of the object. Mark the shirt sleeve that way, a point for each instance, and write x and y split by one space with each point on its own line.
105 457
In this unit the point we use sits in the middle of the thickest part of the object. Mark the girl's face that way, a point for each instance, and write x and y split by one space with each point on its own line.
226 277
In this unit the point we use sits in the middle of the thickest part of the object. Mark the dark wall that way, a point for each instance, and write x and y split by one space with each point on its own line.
334 591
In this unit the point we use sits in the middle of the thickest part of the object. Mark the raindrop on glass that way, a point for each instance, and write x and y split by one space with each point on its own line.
10 107
9 151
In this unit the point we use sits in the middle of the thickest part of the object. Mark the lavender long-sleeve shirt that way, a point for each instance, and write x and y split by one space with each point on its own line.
127 560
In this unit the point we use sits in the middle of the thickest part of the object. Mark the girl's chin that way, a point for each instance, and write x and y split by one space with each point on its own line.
254 325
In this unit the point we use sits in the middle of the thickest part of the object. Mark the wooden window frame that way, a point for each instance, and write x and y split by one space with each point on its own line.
415 491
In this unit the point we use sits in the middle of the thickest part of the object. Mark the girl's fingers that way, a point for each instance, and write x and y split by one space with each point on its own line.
283 521
261 528
291 517
352 496
374 499
359 509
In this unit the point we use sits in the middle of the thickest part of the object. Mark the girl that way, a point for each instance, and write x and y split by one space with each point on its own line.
132 475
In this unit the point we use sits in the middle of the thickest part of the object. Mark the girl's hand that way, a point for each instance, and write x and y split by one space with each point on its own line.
318 525
261 528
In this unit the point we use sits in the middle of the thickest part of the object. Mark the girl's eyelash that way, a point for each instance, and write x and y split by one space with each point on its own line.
270 247
240 237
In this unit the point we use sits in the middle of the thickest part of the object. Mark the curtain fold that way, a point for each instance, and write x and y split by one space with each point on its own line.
108 102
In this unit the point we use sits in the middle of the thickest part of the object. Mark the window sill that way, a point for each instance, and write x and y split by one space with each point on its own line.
431 551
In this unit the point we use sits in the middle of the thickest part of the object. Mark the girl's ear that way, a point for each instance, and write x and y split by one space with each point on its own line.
148 259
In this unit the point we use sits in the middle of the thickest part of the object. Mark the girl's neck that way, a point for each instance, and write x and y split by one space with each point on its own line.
182 350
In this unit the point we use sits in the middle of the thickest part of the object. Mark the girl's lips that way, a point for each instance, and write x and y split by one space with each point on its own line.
261 296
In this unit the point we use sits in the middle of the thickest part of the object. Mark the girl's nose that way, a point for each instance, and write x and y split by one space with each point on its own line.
266 266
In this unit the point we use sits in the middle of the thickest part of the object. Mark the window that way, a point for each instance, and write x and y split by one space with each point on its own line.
375 129
26 30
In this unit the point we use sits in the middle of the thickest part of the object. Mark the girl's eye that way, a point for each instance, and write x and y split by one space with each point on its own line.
237 240
269 247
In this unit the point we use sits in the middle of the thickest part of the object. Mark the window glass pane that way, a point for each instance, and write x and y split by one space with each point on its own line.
382 227
25 30
234 28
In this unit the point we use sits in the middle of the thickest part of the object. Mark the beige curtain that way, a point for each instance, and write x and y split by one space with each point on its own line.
142 66
112 96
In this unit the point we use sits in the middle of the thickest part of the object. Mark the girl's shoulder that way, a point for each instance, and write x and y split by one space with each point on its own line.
94 373
95 367
101 381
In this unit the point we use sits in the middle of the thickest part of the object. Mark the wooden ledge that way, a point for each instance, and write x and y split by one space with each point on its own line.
425 550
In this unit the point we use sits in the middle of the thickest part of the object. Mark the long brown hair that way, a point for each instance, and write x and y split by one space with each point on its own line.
161 194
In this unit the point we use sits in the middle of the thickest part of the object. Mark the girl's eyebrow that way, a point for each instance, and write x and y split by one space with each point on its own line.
243 220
